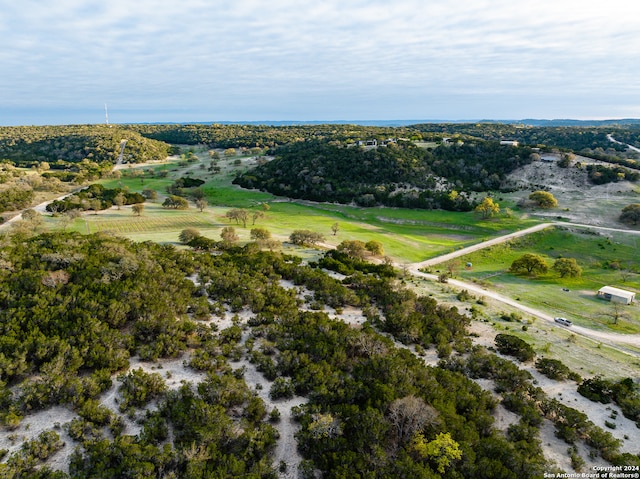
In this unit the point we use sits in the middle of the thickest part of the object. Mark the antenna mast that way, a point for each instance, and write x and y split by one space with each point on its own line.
106 114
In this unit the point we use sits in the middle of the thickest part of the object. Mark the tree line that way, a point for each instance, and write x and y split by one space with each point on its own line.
395 175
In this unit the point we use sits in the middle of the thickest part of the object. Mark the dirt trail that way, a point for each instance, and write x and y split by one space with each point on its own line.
615 340
612 339
479 246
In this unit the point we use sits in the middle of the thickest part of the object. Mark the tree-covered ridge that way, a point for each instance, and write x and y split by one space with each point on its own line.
90 150
233 136
393 175
592 142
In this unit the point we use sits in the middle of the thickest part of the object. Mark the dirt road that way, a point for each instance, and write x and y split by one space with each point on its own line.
631 147
612 339
502 239
479 246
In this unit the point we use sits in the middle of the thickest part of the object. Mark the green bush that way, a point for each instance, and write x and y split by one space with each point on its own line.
514 346
552 368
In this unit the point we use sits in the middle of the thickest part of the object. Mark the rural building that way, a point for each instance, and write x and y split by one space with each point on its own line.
616 295
509 142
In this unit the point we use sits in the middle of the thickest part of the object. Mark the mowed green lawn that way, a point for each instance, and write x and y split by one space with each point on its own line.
604 261
407 235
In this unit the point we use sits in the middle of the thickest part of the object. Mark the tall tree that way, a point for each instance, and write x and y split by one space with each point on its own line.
150 194
228 234
96 205
256 215
305 237
374 247
409 415
175 203
238 214
188 234
201 204
353 248
137 209
260 234
119 200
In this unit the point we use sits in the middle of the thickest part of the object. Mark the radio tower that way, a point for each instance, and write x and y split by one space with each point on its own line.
106 114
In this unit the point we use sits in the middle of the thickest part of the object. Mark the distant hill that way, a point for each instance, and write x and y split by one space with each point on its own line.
76 152
397 123
569 122
401 175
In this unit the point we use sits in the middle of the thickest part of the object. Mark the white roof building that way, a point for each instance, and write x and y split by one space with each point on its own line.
616 295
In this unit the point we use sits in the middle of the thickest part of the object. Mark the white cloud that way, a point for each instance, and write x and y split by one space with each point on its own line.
228 56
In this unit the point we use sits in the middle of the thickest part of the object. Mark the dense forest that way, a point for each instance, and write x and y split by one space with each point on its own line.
592 142
249 136
395 175
76 153
74 309
82 153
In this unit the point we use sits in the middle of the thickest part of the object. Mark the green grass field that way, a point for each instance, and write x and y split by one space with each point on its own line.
604 261
407 235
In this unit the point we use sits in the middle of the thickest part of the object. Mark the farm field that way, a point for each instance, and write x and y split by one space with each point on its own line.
605 260
407 235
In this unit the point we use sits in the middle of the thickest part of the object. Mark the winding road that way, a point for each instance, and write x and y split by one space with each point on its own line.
613 140
615 340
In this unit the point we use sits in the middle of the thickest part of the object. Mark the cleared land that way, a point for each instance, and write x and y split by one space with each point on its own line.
407 235
605 260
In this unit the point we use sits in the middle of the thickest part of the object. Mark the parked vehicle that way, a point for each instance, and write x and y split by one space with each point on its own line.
563 321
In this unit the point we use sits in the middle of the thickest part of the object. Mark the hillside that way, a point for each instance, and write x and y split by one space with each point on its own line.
579 199
69 340
78 153
394 175
138 359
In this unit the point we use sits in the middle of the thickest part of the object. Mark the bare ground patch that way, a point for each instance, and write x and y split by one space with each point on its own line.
579 200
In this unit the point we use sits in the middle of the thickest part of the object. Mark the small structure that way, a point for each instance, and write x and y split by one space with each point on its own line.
509 142
616 295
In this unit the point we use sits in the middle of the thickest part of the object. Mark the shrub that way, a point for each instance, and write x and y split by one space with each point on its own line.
596 389
514 346
552 368
281 388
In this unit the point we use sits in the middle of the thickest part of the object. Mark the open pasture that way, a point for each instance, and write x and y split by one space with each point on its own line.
610 259
407 235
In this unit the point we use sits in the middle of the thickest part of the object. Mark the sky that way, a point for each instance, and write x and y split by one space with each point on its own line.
326 60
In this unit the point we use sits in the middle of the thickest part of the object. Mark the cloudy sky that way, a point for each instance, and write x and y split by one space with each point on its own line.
261 60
